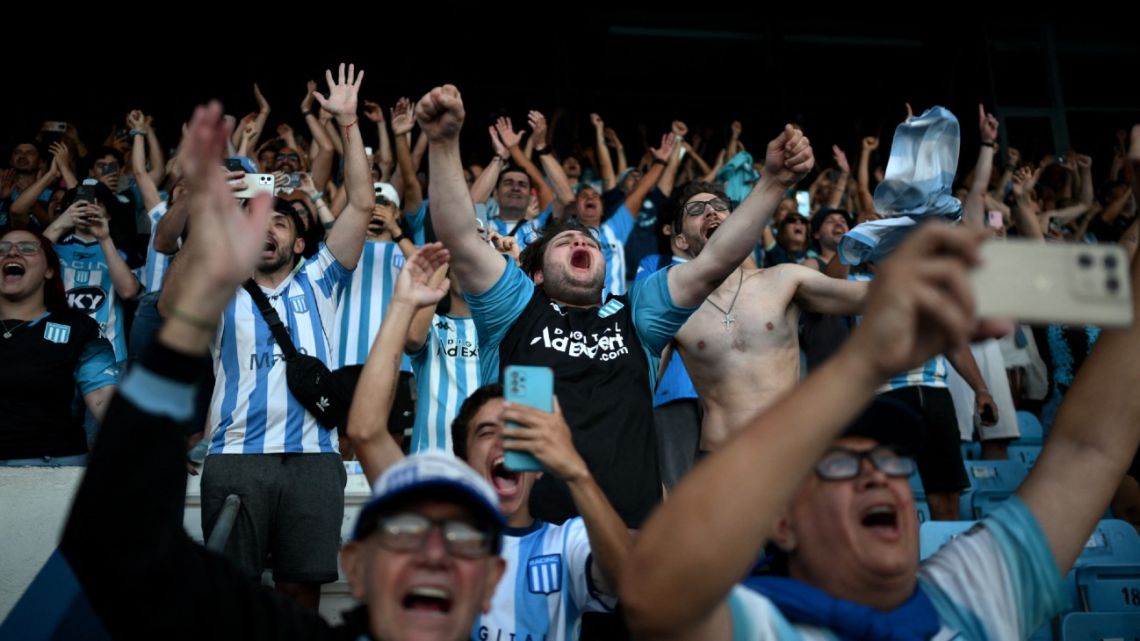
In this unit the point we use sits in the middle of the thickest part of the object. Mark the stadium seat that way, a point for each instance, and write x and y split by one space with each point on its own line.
1098 626
1030 427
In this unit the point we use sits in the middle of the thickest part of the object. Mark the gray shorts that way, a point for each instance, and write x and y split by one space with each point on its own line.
292 506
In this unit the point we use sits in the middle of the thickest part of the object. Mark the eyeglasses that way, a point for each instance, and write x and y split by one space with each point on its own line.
293 157
107 167
408 532
697 207
840 464
25 247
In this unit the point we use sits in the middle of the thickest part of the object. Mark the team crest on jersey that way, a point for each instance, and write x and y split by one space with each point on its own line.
82 277
544 574
57 333
610 308
299 304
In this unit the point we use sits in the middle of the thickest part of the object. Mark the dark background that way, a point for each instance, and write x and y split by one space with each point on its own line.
1054 85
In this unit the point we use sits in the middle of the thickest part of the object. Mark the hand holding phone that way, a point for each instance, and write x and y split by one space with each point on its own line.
533 387
1070 283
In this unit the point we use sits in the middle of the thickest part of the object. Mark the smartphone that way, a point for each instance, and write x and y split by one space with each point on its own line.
234 164
994 219
86 191
368 151
1068 283
533 386
803 203
255 184
57 126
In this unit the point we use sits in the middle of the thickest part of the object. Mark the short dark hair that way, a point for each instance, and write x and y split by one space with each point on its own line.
467 412
691 189
531 257
108 151
511 169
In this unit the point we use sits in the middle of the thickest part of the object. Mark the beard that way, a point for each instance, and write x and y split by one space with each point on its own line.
565 287
282 257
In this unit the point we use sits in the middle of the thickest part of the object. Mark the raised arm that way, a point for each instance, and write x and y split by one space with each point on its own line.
920 303
863 177
559 183
136 121
613 141
402 123
155 155
321 160
1024 212
375 114
24 205
124 281
372 402
477 265
605 163
669 174
346 240
1092 440
973 210
511 140
835 198
788 159
484 185
636 198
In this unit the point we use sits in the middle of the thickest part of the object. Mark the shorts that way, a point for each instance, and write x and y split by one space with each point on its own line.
940 462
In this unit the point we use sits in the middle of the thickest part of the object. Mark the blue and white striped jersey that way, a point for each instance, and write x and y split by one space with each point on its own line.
932 373
447 372
612 234
252 410
362 306
87 281
546 586
154 270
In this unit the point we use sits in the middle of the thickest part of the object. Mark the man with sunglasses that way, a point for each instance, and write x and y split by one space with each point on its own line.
742 346
550 312
852 545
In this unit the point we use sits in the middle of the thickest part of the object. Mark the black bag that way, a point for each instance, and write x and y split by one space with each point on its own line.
309 380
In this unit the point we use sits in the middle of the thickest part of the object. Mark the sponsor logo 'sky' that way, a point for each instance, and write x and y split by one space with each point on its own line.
604 346
86 299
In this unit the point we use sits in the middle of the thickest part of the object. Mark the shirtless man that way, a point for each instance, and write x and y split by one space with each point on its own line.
742 346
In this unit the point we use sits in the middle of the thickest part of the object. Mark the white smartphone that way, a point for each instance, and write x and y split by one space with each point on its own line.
1069 283
255 184
803 203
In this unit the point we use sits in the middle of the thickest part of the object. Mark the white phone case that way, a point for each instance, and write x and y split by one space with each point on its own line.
1070 283
255 184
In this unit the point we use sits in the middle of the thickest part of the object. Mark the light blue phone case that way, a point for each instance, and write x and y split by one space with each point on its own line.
533 386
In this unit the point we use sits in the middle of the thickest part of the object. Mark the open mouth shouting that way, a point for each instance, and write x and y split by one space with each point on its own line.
883 520
13 271
712 227
581 259
428 600
269 249
505 482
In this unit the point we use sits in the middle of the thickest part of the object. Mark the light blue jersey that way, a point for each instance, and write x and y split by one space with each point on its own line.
87 281
997 581
152 273
546 586
252 410
447 372
362 306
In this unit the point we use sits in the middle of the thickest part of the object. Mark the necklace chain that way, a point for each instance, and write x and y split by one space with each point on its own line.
728 317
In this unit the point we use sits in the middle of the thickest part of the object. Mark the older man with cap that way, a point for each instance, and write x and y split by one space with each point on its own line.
424 556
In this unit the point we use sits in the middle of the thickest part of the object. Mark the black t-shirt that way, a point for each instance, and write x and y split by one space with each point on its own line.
39 413
604 398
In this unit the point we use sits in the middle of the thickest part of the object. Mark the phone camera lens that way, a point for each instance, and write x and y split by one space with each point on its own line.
1112 285
1085 261
1110 262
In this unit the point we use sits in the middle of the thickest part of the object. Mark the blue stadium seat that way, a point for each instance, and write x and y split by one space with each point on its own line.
991 482
916 486
1106 576
1030 427
923 509
934 534
971 451
1095 626
1025 454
